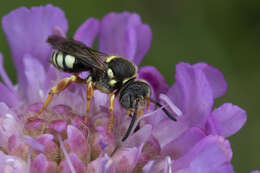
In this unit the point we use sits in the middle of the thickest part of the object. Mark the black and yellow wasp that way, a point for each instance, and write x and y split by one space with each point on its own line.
114 75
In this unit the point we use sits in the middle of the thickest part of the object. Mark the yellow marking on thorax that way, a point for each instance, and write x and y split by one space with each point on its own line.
127 79
110 58
112 82
110 73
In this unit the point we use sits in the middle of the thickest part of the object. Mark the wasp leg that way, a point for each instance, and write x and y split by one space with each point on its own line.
140 112
111 111
62 85
89 96
129 113
148 101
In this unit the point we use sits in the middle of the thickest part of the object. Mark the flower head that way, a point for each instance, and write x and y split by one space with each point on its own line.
57 141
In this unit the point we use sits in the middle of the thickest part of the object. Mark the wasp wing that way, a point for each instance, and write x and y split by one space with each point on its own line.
86 55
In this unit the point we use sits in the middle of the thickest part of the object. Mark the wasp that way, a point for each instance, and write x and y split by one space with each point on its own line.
113 75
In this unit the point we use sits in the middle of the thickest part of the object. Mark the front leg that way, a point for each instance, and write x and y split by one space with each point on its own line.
89 96
60 86
111 111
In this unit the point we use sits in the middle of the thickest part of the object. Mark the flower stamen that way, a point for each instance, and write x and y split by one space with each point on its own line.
66 155
171 105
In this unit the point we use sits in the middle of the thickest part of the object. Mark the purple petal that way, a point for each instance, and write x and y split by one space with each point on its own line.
148 167
51 148
39 164
159 166
211 154
215 78
113 34
77 141
124 34
163 131
154 78
88 31
226 120
36 79
255 171
140 137
193 94
144 39
102 165
17 146
33 143
67 157
4 76
11 164
77 164
126 158
9 125
27 30
181 145
45 138
8 96
61 109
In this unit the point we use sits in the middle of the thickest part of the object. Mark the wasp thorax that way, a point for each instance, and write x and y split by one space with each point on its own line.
119 71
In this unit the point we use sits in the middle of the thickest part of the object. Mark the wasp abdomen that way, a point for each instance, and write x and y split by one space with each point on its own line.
67 63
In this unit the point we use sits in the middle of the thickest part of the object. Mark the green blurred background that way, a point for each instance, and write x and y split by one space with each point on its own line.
223 33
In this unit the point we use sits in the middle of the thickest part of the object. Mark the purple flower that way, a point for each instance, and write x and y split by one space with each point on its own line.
57 141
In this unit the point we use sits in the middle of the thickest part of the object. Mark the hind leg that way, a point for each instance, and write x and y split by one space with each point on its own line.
60 86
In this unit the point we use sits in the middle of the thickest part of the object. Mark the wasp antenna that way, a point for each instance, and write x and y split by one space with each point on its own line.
164 110
131 125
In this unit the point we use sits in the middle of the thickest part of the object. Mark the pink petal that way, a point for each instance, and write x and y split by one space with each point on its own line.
11 164
61 109
9 125
58 125
52 167
102 165
77 164
51 148
77 141
39 164
126 158
17 147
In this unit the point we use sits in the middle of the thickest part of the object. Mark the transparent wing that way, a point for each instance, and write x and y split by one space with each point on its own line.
87 56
